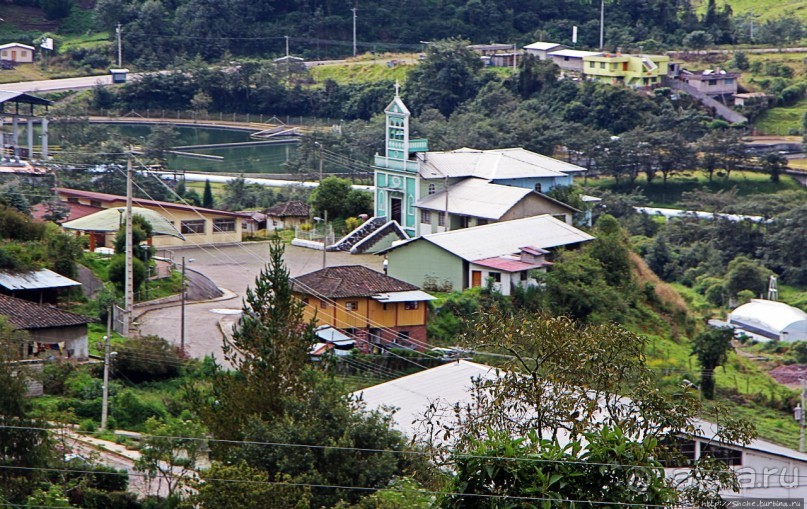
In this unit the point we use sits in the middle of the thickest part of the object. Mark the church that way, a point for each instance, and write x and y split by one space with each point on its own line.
418 192
430 192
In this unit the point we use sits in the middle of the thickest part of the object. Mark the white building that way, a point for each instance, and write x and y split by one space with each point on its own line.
771 319
16 52
542 49
763 469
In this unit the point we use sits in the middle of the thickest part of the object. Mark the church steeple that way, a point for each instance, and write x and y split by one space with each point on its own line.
397 127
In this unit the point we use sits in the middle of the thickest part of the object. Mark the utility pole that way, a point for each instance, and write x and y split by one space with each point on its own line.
105 402
288 64
129 283
354 30
120 51
800 415
182 314
325 240
602 24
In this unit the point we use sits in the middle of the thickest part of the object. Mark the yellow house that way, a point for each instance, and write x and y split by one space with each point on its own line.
630 70
198 225
378 311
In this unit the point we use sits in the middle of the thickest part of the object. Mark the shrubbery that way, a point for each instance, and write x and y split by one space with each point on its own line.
147 359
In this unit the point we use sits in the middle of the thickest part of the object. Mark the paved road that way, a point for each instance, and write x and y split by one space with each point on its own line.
57 85
233 268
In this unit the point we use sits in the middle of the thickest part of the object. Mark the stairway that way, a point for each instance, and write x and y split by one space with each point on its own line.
367 228
721 109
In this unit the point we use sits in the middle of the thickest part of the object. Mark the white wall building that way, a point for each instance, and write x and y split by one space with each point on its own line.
771 319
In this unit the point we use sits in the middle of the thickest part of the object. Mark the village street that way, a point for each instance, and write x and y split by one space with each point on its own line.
232 268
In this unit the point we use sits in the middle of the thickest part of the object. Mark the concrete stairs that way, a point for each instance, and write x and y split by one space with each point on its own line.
363 238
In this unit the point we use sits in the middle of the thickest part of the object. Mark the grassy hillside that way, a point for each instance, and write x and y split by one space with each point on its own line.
763 8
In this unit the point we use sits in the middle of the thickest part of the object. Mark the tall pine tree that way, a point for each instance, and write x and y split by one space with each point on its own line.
207 197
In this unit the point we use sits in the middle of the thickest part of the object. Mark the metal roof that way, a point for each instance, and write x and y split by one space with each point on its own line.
574 53
22 97
498 164
15 44
771 316
476 197
450 383
109 220
508 264
506 237
542 46
35 280
408 296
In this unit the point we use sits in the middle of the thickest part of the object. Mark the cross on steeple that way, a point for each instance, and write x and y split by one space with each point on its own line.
397 88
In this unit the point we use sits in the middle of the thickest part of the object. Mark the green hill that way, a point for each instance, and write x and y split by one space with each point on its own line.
763 8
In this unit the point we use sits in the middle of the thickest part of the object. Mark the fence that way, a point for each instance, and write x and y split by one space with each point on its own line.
204 116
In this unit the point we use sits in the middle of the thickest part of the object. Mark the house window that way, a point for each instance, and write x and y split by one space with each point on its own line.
538 187
465 222
193 226
680 453
425 216
525 274
223 225
432 188
729 81
411 305
306 301
352 305
95 203
72 200
565 59
481 222
712 83
441 219
323 304
591 64
496 276
602 65
731 457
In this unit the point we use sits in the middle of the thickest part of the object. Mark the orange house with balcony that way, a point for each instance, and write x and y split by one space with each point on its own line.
378 311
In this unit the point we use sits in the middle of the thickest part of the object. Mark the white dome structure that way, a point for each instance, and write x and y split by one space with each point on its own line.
775 320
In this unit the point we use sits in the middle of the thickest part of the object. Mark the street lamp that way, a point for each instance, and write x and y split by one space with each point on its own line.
182 306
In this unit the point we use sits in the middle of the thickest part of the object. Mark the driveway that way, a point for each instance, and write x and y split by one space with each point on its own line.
232 268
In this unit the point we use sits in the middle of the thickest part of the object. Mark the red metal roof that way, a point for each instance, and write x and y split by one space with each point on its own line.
76 211
508 264
109 198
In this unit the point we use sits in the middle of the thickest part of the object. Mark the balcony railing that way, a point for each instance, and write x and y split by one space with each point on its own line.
415 145
396 164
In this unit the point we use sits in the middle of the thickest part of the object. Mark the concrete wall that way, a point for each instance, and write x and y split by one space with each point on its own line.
423 264
534 205
74 339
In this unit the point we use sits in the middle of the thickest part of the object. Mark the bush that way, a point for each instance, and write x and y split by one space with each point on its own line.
147 359
131 411
55 375
117 272
799 350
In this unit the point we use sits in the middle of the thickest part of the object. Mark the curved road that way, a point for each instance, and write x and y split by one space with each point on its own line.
233 268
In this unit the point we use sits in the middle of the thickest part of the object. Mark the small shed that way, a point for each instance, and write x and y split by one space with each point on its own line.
40 286
17 53
119 75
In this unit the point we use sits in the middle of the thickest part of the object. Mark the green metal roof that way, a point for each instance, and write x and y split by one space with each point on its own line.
109 220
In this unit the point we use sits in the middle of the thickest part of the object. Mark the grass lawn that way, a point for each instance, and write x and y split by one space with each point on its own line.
669 194
765 9
362 72
782 120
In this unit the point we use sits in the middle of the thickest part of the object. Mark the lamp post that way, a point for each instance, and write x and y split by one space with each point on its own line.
182 307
